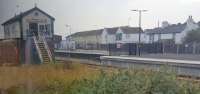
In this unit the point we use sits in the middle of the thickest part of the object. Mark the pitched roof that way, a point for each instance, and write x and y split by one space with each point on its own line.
18 17
175 28
125 29
112 30
131 30
87 33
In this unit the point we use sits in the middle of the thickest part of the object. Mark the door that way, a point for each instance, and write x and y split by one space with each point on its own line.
33 29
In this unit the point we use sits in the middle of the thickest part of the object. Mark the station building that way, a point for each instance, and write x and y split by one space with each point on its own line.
31 34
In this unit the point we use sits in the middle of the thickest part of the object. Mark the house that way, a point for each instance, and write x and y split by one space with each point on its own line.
33 32
96 38
174 33
86 39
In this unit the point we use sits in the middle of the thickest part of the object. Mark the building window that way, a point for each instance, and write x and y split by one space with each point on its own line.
41 28
48 29
119 36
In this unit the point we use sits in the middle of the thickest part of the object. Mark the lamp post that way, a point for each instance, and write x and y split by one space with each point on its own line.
69 26
140 29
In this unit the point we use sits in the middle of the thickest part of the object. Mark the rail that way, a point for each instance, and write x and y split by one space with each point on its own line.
47 48
37 47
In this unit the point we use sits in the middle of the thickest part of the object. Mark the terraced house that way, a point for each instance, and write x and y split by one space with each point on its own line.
171 33
115 35
32 31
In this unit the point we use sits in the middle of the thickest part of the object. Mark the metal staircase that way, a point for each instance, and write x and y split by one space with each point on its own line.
43 49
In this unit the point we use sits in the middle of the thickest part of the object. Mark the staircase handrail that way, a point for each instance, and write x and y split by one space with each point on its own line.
46 47
37 47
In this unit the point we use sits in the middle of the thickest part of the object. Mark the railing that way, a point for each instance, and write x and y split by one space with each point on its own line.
42 39
37 47
47 48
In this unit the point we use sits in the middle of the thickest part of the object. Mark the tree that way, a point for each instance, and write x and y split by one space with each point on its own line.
193 36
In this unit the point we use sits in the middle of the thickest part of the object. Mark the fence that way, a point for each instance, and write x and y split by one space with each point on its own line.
131 48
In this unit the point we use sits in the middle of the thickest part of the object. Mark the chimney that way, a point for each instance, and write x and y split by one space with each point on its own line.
190 20
165 24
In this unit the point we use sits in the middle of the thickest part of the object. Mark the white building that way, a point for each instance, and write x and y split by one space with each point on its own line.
123 34
174 32
168 33
96 38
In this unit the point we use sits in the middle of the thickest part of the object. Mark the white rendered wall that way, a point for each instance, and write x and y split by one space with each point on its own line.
166 36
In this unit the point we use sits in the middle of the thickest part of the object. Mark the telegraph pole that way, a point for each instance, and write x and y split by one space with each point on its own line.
140 29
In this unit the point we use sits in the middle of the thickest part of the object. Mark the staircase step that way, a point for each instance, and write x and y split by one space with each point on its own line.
43 51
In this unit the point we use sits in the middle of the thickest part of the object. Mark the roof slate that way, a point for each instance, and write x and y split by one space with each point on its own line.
111 31
88 33
175 28
131 30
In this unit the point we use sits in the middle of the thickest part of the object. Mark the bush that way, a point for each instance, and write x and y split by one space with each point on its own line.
129 82
80 79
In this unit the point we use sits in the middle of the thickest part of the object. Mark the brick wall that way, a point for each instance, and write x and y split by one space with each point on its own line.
9 53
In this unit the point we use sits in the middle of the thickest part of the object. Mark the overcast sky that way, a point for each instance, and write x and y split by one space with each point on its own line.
92 14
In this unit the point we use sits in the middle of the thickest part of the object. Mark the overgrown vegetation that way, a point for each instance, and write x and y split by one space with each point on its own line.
135 82
193 36
81 79
28 79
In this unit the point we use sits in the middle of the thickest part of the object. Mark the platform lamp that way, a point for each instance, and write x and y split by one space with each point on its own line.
140 28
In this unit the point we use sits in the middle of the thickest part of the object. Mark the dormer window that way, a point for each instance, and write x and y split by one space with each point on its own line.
119 36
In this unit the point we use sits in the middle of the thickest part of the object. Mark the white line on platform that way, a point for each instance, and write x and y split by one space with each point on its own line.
152 59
